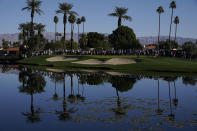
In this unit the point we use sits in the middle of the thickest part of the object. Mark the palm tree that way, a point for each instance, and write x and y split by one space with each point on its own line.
172 6
78 23
65 8
83 20
176 22
72 20
34 7
121 12
56 20
40 28
22 35
160 10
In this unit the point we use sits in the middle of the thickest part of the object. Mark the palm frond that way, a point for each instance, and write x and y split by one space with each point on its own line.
127 18
112 14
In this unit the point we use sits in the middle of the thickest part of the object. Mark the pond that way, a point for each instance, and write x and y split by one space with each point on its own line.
84 100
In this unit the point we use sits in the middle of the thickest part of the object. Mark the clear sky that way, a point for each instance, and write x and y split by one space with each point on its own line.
143 13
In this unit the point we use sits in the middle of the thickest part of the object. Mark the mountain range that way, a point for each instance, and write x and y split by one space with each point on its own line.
143 40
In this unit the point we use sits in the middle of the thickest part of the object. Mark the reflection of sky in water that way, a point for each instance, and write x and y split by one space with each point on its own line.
96 112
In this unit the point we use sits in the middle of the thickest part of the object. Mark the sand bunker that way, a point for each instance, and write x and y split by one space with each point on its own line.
90 62
113 61
55 70
120 61
61 58
116 73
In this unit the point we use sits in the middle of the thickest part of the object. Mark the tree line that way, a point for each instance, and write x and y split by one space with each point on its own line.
122 38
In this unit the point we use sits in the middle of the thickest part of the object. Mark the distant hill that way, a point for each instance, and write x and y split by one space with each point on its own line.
153 39
144 40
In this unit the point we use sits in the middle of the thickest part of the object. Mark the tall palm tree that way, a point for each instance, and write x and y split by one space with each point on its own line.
78 23
172 6
34 7
160 10
22 28
83 20
121 12
72 20
65 9
176 22
55 20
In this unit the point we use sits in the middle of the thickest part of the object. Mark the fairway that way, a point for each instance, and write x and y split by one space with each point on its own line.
142 63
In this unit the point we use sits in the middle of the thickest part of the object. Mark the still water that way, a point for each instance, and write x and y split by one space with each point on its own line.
43 100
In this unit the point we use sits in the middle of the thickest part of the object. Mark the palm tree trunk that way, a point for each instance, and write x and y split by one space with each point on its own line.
159 30
64 36
83 28
55 31
171 24
71 44
119 22
175 33
32 23
65 21
78 33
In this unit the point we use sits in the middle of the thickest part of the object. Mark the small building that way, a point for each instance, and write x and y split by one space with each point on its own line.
150 47
10 51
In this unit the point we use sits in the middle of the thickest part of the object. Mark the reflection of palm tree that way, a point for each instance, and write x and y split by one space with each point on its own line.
159 110
171 116
31 84
55 96
119 110
79 96
57 78
71 97
189 80
65 114
175 100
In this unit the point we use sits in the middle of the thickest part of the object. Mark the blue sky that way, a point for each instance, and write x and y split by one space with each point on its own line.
143 13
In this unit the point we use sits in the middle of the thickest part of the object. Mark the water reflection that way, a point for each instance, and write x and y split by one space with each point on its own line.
32 83
101 97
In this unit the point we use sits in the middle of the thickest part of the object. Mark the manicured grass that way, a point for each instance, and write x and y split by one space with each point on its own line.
144 64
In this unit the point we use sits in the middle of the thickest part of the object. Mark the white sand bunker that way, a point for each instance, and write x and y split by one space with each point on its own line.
113 61
61 58
55 70
120 61
90 62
